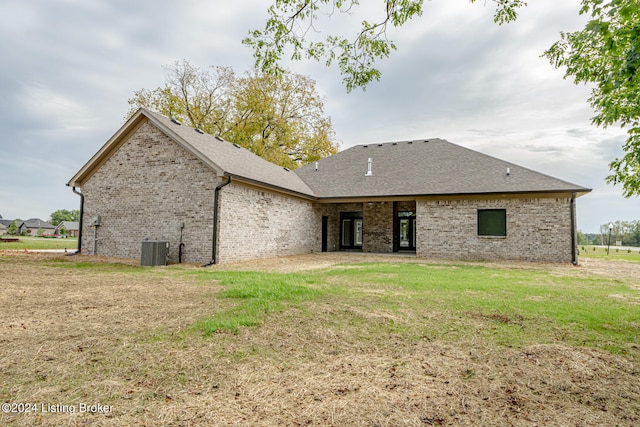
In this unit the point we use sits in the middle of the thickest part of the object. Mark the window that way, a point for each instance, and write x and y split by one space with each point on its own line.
492 222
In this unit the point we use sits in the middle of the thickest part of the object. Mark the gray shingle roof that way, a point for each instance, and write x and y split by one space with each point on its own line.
235 160
409 168
36 223
423 167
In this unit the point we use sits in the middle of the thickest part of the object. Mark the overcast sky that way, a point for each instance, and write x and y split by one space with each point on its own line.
69 66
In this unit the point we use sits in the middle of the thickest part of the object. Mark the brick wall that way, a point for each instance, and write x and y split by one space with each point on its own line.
377 227
538 229
145 190
257 223
332 212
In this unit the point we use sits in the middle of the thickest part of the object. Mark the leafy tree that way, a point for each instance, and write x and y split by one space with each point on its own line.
279 118
292 24
582 238
607 53
64 215
13 228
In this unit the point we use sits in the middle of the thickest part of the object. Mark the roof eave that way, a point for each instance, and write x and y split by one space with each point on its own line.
550 193
265 185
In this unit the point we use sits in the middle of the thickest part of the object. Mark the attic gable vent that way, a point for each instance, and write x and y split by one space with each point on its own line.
200 131
176 122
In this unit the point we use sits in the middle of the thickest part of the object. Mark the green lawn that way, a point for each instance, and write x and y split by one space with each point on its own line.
35 243
510 307
615 253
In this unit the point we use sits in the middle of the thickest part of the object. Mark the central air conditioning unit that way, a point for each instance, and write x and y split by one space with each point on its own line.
154 252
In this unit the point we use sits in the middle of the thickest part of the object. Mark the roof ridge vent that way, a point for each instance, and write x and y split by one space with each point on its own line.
176 121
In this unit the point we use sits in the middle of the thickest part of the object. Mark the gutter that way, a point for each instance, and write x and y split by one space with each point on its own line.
214 240
79 250
574 243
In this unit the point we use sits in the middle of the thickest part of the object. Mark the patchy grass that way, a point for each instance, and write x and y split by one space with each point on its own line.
397 342
258 294
513 307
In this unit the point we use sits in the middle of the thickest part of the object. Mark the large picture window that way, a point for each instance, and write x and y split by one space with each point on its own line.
492 222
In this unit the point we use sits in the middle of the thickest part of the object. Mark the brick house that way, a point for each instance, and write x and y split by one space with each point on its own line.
157 179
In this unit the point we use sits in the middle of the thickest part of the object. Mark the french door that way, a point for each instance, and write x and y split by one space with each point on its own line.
350 231
406 231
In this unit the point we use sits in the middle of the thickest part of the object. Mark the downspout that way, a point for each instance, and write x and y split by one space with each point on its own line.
574 245
79 250
214 244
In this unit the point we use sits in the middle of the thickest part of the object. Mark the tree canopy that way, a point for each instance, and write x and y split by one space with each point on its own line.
292 24
64 215
280 118
606 53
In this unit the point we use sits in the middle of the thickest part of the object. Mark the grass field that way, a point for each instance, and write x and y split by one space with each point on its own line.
320 340
39 243
614 253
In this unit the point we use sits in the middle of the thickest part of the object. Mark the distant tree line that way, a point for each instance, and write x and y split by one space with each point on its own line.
625 233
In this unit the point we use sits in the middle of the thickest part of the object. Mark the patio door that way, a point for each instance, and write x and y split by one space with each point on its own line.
350 230
406 227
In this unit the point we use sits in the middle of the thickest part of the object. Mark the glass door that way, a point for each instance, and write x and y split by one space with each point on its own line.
406 231
351 230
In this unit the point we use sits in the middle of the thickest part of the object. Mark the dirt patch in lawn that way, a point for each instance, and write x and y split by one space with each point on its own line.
97 333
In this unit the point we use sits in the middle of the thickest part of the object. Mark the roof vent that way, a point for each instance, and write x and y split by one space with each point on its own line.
508 171
364 146
369 164
409 142
379 145
394 143
176 122
316 166
234 144
287 169
200 131
218 138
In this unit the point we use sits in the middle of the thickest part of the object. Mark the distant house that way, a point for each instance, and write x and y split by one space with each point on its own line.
4 225
214 201
70 228
35 227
